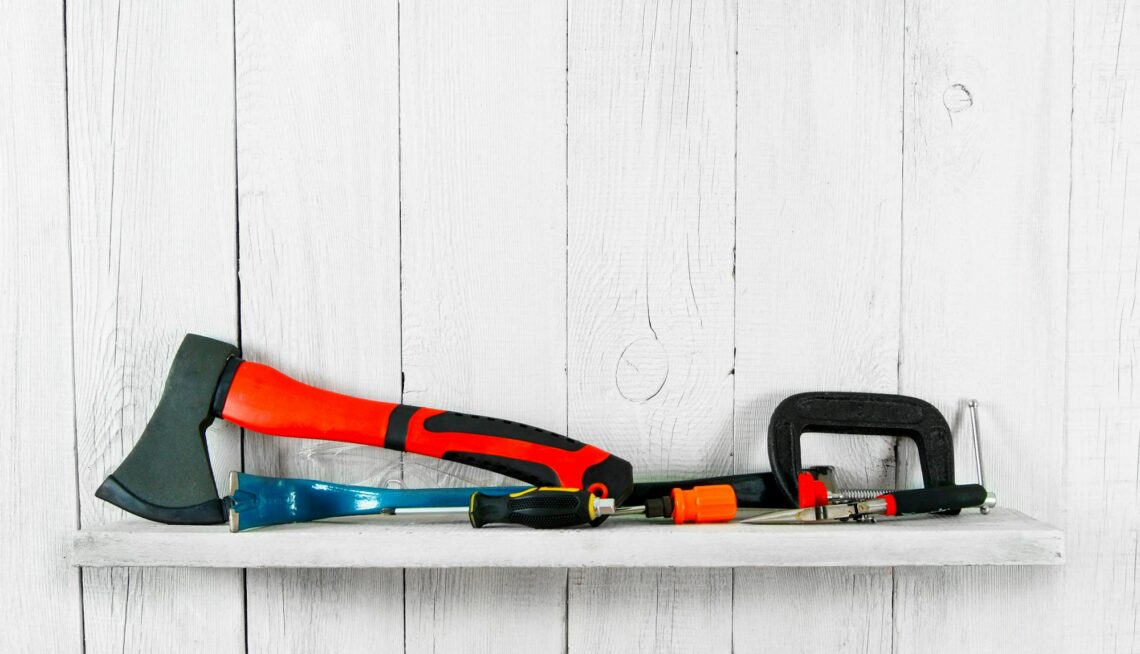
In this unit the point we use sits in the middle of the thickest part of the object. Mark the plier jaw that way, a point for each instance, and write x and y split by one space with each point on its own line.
852 511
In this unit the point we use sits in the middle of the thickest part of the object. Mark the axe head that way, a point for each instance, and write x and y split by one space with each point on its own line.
167 475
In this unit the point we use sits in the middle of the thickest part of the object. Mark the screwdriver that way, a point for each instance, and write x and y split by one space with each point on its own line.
553 508
716 503
538 508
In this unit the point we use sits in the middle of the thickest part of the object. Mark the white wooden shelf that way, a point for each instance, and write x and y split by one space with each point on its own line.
1004 537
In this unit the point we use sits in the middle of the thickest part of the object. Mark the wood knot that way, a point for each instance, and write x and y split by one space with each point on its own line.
956 98
642 370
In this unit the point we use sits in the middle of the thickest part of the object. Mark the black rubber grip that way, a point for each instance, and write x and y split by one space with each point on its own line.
532 473
538 508
396 437
753 489
450 421
940 499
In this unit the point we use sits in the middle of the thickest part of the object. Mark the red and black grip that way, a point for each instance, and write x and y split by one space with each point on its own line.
940 499
263 399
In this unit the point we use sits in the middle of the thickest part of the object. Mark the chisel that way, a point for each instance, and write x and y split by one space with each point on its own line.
254 501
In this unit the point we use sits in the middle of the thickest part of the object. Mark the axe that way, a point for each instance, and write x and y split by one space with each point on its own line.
167 477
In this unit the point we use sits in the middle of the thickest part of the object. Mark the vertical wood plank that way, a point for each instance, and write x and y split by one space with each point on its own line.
330 610
40 605
650 610
818 218
650 288
1101 576
853 613
483 113
152 207
817 275
985 194
318 164
485 610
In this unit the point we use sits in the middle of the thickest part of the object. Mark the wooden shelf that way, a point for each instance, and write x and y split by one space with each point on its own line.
1004 537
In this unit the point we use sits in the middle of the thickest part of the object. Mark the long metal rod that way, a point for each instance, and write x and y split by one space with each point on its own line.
412 510
973 404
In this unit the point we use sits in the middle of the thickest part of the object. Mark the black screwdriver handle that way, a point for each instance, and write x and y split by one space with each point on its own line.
539 508
935 500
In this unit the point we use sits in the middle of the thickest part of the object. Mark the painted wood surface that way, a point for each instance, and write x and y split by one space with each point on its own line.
319 232
1005 537
150 100
817 275
1103 400
649 288
854 615
483 255
40 607
660 610
985 191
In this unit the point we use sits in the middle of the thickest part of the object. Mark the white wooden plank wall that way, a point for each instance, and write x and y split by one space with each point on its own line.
817 276
985 191
649 288
483 232
40 605
320 277
1102 579
150 87
639 223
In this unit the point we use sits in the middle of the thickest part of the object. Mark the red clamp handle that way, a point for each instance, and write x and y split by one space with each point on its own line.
260 398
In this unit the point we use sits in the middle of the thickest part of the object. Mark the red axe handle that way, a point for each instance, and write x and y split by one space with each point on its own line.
257 397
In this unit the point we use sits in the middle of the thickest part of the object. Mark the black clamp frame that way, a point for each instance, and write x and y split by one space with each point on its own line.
865 414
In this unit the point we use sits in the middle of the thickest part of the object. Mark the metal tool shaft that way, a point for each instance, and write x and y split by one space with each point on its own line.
602 506
973 404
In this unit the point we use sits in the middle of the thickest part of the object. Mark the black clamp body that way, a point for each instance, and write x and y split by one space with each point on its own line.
864 414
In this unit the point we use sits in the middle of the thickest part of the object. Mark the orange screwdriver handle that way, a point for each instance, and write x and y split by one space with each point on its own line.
704 504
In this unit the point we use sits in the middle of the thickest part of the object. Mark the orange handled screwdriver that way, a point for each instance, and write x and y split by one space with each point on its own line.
700 504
